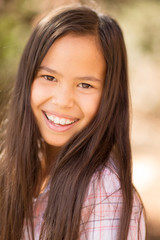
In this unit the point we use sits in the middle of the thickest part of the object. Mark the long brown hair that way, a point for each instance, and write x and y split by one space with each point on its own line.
107 134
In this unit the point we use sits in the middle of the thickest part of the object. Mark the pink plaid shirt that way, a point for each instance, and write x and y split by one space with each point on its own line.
101 210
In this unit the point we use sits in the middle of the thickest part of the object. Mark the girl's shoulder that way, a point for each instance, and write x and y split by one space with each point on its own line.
105 182
101 212
105 186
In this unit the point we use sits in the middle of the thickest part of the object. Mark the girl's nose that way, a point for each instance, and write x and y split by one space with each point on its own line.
63 97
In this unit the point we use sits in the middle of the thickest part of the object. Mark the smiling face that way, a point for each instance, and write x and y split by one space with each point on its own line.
67 89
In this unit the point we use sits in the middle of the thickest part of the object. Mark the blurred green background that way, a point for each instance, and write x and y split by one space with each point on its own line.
140 22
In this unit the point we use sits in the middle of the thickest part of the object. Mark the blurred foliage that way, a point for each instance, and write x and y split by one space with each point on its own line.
15 27
140 21
15 24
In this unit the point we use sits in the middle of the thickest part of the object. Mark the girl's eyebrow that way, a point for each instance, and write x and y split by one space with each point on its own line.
49 70
89 78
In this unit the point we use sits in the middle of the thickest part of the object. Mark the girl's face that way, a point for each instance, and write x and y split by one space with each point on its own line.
67 89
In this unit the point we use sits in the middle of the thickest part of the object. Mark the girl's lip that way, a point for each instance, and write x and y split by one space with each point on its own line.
57 127
60 115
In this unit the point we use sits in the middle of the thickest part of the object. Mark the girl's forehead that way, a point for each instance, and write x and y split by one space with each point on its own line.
77 38
72 50
74 42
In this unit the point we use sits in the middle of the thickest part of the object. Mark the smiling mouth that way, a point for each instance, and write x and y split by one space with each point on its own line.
59 121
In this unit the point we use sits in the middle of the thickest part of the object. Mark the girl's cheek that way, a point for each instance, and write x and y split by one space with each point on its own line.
90 103
39 92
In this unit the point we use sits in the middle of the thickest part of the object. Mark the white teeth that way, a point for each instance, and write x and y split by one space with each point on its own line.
68 121
61 121
50 117
56 120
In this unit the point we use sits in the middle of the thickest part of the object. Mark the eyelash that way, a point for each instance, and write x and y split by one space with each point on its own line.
49 78
85 85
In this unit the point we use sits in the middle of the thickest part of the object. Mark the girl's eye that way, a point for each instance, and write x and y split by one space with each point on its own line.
85 85
49 78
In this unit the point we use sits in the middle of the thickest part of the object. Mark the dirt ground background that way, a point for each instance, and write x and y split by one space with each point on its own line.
140 22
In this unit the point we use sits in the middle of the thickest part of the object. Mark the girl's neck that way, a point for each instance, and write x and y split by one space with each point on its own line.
50 157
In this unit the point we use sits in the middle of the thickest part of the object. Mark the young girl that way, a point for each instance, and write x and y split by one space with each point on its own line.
66 158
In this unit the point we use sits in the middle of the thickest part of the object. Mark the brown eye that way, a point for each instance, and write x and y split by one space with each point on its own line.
49 78
85 85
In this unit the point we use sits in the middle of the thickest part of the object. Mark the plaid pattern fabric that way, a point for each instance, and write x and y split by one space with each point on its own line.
100 218
102 209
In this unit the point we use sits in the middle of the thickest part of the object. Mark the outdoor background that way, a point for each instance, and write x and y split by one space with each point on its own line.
140 22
